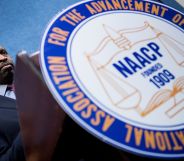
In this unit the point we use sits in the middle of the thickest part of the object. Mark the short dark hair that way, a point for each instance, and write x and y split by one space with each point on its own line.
3 51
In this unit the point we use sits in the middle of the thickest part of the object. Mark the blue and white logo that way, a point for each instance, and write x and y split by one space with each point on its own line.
117 68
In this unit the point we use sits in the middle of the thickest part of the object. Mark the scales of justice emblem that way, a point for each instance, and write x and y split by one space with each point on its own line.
122 93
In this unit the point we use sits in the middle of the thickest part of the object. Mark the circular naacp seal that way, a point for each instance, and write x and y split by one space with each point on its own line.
117 68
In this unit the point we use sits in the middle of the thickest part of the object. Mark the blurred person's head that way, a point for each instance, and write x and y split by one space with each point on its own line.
6 67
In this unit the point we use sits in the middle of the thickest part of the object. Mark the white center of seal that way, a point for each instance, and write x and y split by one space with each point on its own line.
129 69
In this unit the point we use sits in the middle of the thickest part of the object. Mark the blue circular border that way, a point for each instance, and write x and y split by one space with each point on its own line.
118 127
